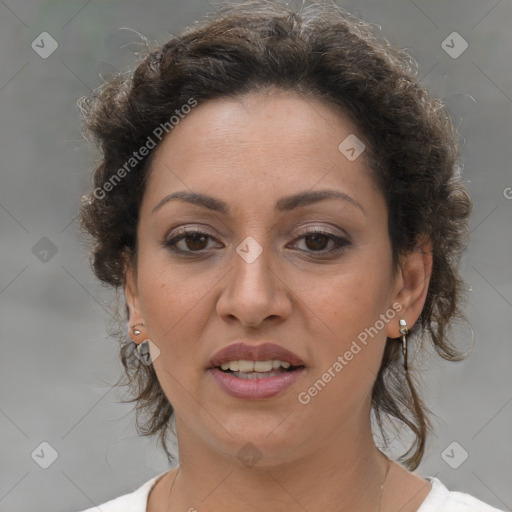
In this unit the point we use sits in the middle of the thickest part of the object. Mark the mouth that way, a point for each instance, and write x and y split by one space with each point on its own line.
255 371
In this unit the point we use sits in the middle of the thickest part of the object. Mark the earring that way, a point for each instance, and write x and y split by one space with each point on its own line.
143 353
136 331
404 330
142 350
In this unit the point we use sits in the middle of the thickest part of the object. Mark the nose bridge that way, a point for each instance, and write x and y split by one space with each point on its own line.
252 277
253 291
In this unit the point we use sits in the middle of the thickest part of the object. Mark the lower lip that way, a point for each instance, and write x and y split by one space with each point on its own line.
255 388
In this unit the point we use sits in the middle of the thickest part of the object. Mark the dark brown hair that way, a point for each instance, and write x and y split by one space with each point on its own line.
318 51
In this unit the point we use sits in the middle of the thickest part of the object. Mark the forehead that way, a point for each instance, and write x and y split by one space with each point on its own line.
263 142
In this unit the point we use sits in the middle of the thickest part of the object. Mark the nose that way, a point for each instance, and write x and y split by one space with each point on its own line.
254 292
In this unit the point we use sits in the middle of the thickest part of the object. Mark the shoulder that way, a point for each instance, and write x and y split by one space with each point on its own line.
135 501
441 499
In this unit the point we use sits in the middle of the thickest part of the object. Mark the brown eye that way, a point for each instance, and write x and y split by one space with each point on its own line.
196 241
316 242
190 241
324 243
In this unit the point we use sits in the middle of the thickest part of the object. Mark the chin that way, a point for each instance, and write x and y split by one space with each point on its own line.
265 438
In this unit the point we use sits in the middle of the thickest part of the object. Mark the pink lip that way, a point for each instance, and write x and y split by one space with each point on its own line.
255 388
263 352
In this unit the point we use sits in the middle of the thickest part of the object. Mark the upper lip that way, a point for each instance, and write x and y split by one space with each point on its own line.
251 352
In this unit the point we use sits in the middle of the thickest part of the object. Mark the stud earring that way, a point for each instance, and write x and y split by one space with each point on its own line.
404 330
136 331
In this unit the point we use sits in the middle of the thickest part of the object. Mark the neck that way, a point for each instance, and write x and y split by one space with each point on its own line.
342 473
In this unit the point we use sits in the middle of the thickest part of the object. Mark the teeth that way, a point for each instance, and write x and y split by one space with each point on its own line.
262 366
255 366
245 366
255 375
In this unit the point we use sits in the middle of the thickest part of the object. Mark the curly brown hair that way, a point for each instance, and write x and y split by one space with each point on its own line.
321 52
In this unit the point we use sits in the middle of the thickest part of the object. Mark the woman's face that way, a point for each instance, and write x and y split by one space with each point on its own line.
314 278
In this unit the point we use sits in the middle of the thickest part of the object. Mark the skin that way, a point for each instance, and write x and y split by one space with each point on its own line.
250 152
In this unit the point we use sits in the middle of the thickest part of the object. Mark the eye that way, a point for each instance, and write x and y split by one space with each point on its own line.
191 241
317 241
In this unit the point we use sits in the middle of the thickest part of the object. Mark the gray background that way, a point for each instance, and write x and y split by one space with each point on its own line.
57 364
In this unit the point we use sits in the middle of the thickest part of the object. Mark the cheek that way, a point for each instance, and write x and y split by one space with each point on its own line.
167 292
345 315
350 339
166 296
174 310
351 298
176 303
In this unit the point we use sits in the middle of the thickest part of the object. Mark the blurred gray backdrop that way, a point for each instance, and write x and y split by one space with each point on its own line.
67 443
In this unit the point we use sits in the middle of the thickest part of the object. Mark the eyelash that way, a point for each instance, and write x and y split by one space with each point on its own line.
340 242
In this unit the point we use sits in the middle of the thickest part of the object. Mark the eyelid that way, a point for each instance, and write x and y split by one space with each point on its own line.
184 230
187 230
324 231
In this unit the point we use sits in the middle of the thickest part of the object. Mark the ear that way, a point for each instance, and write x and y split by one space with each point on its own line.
411 285
132 295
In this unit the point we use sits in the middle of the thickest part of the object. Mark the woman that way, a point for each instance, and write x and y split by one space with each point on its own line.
280 201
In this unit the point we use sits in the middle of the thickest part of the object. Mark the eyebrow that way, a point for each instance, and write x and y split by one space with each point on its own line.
284 204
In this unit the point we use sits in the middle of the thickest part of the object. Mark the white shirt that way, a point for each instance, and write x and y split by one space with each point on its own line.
440 499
